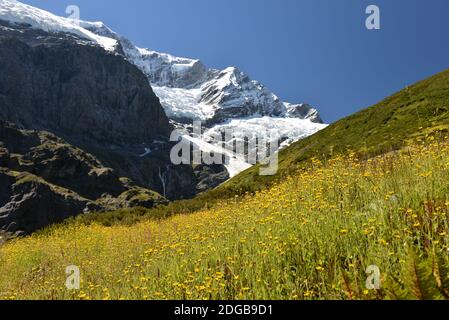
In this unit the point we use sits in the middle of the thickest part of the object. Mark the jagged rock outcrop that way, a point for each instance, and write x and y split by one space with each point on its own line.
45 180
34 204
210 177
54 160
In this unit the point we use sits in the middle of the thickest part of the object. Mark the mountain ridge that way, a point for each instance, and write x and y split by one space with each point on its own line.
167 71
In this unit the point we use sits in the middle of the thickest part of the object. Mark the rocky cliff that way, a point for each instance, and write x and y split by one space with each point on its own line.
62 83
80 130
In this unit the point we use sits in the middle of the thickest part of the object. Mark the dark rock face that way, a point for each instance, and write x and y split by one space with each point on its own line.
304 111
82 130
44 180
35 197
210 177
35 205
54 160
76 90
6 182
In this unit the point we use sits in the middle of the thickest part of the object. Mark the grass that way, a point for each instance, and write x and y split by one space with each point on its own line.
311 236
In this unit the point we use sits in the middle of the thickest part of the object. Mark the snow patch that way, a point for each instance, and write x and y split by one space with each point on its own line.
235 164
20 13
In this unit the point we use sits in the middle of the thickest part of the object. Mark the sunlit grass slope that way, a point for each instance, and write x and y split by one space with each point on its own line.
311 236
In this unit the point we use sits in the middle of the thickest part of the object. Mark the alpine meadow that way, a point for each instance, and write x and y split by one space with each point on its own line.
99 202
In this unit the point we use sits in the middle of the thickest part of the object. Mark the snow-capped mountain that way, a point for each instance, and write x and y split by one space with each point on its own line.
188 90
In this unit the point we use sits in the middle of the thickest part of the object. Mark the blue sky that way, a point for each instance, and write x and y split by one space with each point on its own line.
315 51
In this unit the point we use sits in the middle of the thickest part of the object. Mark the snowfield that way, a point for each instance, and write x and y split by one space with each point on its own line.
20 13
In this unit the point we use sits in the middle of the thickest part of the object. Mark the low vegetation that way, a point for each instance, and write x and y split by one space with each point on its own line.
311 236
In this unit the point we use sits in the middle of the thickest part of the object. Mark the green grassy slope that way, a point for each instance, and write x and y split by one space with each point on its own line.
310 237
416 111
